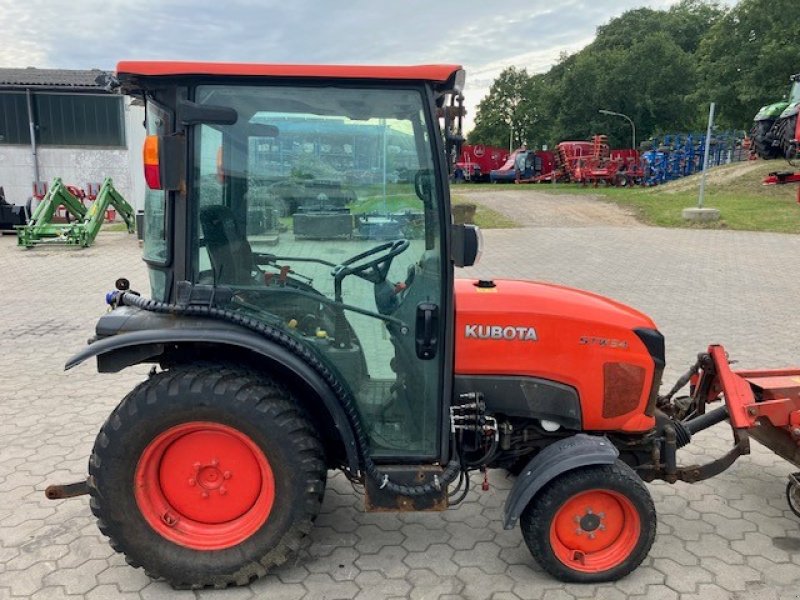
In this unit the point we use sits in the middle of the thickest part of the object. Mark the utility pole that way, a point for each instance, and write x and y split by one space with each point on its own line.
700 213
706 152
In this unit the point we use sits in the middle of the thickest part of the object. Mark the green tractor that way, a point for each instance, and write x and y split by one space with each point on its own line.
775 124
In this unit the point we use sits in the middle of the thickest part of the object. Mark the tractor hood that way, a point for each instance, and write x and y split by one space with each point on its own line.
550 333
771 111
525 302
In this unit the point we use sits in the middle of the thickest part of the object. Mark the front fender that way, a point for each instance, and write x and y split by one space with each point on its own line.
790 111
125 349
580 450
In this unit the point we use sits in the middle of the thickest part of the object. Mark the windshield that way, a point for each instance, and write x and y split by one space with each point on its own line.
317 207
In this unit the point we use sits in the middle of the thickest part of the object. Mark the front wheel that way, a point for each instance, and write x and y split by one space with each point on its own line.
206 476
789 127
591 524
793 494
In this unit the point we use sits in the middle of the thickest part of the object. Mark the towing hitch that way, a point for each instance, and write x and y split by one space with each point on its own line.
67 490
763 405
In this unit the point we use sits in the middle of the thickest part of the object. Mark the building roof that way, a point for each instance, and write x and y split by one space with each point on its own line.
435 73
54 79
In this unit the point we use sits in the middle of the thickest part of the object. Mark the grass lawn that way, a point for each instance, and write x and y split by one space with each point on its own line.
736 190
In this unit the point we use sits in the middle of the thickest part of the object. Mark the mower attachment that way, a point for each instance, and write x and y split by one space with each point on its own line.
762 404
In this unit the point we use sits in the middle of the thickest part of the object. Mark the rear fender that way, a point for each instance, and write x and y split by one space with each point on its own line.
580 450
117 352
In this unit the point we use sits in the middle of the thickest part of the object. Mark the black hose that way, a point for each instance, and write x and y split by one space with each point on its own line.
486 458
464 492
451 470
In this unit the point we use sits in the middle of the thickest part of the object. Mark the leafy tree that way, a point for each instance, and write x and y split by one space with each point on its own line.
500 116
660 67
746 57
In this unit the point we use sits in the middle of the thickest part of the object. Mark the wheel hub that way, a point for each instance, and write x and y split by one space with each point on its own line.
594 530
209 478
204 485
199 456
590 522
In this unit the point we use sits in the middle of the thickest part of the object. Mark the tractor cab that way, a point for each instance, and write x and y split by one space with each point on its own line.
315 203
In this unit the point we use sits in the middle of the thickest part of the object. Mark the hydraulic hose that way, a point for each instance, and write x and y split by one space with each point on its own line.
451 470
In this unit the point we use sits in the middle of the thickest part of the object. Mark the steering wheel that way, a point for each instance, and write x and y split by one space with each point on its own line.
374 270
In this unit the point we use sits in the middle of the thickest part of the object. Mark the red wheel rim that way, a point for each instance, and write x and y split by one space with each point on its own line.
595 531
204 485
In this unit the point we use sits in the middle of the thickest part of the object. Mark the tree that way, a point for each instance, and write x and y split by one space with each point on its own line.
500 117
660 67
746 57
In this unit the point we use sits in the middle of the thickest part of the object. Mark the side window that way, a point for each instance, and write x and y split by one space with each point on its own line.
158 122
210 191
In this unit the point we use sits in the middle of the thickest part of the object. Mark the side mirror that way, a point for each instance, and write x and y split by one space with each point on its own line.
466 245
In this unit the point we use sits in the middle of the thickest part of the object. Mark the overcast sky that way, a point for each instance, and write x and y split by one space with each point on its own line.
483 36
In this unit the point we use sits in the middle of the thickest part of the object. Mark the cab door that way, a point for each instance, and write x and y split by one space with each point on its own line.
311 184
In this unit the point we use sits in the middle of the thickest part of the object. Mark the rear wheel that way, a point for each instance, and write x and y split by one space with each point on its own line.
762 140
206 476
591 524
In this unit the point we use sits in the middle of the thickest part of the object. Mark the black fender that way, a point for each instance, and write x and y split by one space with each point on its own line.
126 349
580 450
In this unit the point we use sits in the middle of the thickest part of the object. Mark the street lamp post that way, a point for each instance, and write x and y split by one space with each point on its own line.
616 114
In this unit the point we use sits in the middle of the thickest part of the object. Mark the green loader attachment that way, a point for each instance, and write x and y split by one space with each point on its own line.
88 222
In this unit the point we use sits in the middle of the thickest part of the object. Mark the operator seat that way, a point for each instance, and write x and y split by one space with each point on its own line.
230 252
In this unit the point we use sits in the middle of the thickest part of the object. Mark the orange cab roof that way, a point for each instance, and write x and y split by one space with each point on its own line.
437 73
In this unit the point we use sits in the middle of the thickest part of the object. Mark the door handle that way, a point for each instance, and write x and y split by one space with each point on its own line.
427 330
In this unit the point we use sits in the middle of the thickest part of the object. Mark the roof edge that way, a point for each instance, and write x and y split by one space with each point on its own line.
434 73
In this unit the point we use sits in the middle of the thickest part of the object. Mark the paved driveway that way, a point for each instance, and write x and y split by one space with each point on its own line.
729 537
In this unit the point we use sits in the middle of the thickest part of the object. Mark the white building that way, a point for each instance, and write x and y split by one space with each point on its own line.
82 133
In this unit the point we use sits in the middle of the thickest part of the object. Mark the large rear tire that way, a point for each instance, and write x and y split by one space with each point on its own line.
206 475
591 524
763 138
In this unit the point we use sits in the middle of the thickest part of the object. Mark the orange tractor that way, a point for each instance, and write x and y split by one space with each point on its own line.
277 358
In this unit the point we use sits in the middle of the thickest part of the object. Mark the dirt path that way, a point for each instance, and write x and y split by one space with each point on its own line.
537 209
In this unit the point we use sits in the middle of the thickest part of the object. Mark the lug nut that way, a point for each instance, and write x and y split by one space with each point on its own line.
226 475
192 481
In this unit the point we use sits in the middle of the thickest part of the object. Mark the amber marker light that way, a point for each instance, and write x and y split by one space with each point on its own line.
152 174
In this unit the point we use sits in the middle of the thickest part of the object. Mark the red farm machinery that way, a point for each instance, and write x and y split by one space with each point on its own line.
476 162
